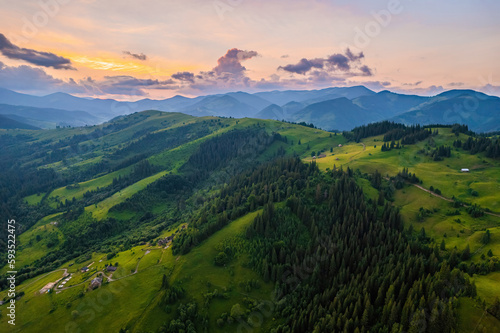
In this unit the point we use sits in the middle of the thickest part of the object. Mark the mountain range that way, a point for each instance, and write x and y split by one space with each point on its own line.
337 108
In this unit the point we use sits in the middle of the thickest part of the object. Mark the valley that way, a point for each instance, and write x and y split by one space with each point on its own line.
263 214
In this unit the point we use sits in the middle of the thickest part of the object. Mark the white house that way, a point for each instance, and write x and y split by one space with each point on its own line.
464 170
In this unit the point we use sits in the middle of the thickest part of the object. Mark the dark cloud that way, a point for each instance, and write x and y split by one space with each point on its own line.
284 56
184 76
354 57
138 56
231 62
455 84
341 63
45 59
366 70
303 66
229 74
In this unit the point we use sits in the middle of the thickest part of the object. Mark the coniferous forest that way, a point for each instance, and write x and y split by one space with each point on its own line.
230 225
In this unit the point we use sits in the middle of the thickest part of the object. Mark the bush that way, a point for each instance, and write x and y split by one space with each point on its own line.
236 311
75 314
221 259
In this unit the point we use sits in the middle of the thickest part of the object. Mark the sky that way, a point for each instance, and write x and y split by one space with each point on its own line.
129 50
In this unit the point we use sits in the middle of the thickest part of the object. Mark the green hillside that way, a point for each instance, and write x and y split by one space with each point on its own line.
277 227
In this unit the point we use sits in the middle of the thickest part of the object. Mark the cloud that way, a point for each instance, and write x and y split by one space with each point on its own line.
339 61
347 64
490 89
366 70
231 62
45 59
124 85
140 56
303 66
427 91
230 74
414 84
455 84
354 57
373 85
34 80
184 76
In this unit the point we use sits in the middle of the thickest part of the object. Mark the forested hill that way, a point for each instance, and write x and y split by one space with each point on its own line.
227 225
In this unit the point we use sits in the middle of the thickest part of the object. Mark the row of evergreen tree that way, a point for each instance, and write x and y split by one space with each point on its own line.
490 146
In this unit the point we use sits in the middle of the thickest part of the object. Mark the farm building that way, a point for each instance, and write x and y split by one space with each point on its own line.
165 240
95 283
111 268
85 269
464 170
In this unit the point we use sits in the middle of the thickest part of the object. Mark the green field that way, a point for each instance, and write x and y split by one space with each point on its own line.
129 296
132 297
444 175
100 210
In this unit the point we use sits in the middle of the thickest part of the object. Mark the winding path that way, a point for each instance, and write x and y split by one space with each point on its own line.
442 197
44 275
448 199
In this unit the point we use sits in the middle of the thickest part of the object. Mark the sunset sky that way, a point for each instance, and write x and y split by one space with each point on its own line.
130 50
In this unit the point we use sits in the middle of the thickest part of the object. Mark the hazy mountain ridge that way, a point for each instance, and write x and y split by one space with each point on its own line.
48 117
10 122
330 108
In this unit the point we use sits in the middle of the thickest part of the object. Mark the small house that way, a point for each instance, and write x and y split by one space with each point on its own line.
165 240
340 145
464 170
111 268
95 283
84 269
